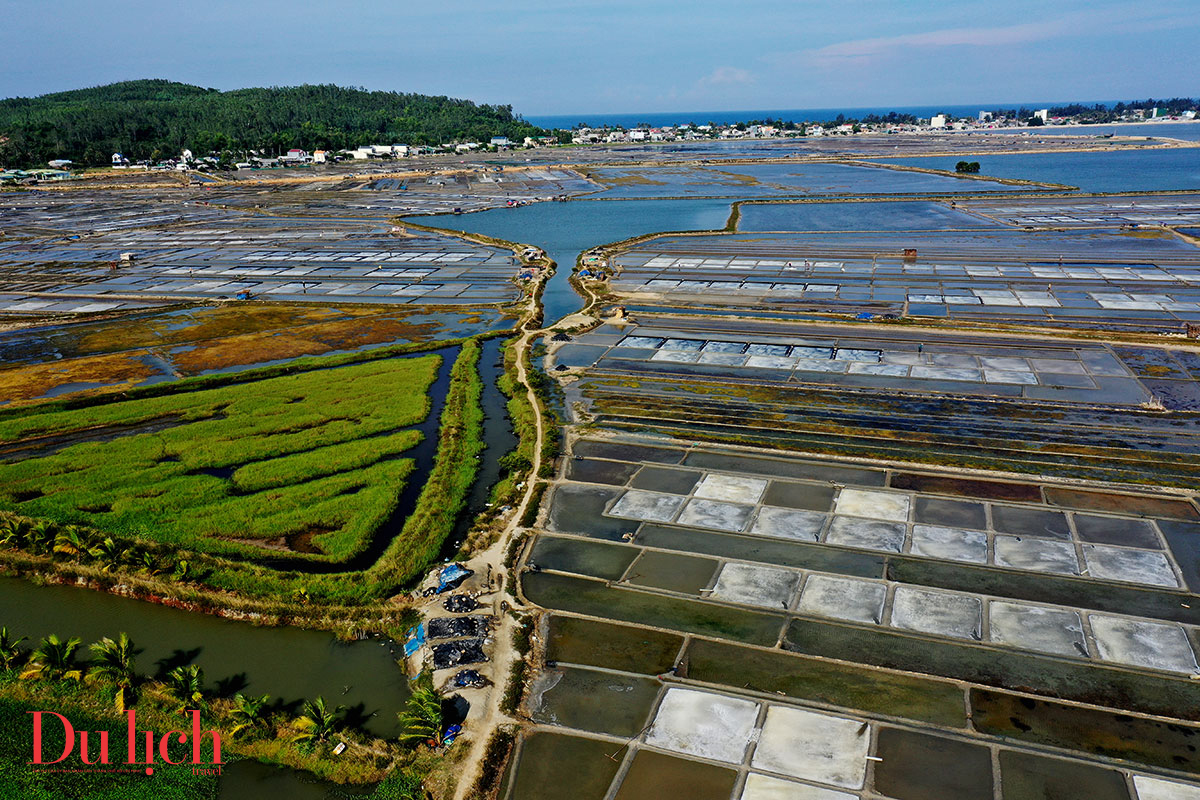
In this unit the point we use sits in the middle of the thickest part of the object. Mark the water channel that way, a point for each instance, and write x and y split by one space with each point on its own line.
564 230
290 664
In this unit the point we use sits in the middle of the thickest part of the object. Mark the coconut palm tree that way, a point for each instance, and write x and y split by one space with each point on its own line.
317 723
422 715
107 553
71 541
14 532
41 536
10 650
183 571
248 712
147 563
186 684
113 661
54 658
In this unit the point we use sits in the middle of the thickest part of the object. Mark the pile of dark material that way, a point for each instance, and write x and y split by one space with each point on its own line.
457 627
469 678
459 604
463 651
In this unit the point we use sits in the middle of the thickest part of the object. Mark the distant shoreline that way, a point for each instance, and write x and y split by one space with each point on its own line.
1086 125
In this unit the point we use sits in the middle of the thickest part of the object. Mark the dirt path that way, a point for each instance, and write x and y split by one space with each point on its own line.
493 559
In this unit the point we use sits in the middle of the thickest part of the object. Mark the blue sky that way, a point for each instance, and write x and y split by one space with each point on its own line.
574 56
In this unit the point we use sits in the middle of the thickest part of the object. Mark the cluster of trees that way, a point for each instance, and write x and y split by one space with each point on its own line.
88 546
157 119
1100 112
112 664
967 166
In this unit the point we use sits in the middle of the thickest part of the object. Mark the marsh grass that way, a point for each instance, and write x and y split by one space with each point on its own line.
316 451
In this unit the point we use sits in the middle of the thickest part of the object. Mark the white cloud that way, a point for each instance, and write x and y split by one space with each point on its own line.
726 77
860 52
951 37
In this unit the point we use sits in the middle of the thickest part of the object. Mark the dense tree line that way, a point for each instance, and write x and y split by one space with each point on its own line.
153 119
1101 112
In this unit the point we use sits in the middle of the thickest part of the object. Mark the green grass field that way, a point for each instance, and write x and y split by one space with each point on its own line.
311 461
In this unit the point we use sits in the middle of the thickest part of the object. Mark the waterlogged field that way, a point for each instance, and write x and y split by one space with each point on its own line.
312 463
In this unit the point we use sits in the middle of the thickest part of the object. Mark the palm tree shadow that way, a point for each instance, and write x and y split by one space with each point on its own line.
178 658
356 716
228 687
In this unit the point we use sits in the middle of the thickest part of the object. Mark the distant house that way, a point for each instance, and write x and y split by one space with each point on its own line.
118 160
500 141
938 121
318 156
60 163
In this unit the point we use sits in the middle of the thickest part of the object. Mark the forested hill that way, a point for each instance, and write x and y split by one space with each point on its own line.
157 118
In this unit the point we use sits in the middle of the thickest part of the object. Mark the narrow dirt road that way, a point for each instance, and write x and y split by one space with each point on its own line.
482 726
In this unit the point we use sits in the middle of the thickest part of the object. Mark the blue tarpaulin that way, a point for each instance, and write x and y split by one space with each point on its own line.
451 576
416 638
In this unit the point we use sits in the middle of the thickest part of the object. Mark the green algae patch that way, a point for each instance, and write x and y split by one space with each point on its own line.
593 700
574 640
578 767
846 685
674 573
1155 743
593 559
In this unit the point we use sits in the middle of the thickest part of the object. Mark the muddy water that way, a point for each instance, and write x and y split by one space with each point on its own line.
250 780
289 664
564 766
498 439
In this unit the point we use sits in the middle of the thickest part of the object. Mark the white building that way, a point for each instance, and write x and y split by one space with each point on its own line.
1043 114
938 121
